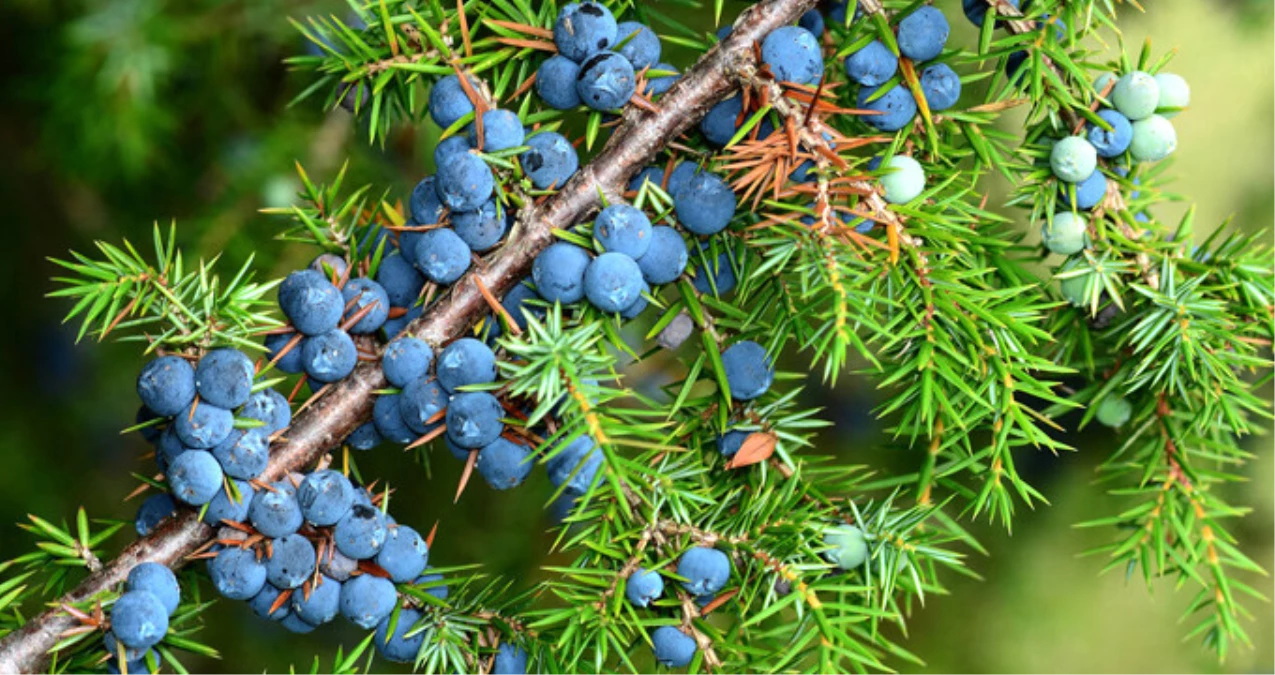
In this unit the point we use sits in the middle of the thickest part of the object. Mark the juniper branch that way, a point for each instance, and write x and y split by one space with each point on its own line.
339 410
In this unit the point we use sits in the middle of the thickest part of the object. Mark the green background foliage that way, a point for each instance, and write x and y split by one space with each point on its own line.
118 113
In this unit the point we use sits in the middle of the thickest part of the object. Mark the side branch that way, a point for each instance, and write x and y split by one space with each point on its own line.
344 406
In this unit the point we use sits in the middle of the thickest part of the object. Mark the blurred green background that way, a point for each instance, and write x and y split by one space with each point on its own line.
119 113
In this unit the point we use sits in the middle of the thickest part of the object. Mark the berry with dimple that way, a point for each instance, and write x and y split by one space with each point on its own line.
721 122
366 293
923 33
442 256
502 130
872 65
1114 142
896 107
224 377
612 282
941 86
203 425
270 407
510 660
473 419
482 228
291 362
157 580
666 259
194 477
730 442
292 560
329 357
793 55
465 361
464 183
1067 234
638 44
227 506
705 205
448 101
575 465
1136 95
644 587
504 464
403 555
1114 411
584 28
152 511
367 600
606 81
406 359
556 82
558 272
263 601
1154 138
1073 159
321 604
846 546
904 179
139 620
550 161
311 302
400 279
275 512
748 370
672 647
244 454
325 497
236 573
420 401
1089 192
396 646
166 385
706 570
1175 94
361 533
622 228
388 419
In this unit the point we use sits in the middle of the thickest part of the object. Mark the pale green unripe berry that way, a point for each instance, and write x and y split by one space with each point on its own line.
1154 138
1073 288
848 548
904 181
1136 95
1114 411
1068 234
1102 81
1174 93
1073 159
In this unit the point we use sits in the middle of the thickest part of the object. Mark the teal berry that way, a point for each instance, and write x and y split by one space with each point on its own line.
1073 159
847 547
1103 81
1154 138
1114 411
672 647
1136 95
1067 234
904 180
1073 282
1175 94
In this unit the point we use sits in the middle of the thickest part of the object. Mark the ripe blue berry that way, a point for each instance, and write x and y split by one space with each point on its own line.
812 21
168 447
337 565
721 123
575 465
420 402
1089 192
1111 143
400 279
395 646
291 362
194 477
152 511
872 65
139 620
896 107
448 101
151 432
236 573
365 293
793 55
1067 234
438 591
244 454
502 130
442 255
1073 159
657 85
157 580
325 497
1154 138
705 205
622 228
606 81
483 228
644 587
224 378
166 385
847 548
515 302
466 361
329 357
976 10
666 259
730 442
473 419
403 555
558 272
113 647
504 464
556 82
923 33
706 570
225 506
296 624
406 359
612 282
275 512
270 407
941 86
748 370
321 604
264 600
388 419
361 533
672 647
311 302
639 304
582 29
203 425
1136 95
464 183
291 561
550 161
367 600
717 278
446 149
510 660
638 43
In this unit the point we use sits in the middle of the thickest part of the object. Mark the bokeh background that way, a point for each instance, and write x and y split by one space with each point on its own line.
115 114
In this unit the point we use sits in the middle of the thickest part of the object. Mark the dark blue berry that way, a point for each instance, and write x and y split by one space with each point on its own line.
361 533
321 604
1112 143
666 259
311 302
941 86
203 425
1089 192
465 361
896 107
658 85
473 419
584 28
400 279
872 65
672 647
502 130
558 272
329 357
748 370
225 506
395 646
550 161
264 600
637 43
793 55
556 82
621 228
166 385
406 359
367 600
812 21
325 497
388 418
606 81
268 406
575 465
157 580
718 278
403 555
730 442
510 660
291 561
443 152
613 282
139 620
194 477
152 511
439 591
366 293
244 454
236 573
504 464
442 256
706 570
224 378
420 402
644 587
923 33
705 205
721 123
275 512
448 101
482 228
291 362
465 182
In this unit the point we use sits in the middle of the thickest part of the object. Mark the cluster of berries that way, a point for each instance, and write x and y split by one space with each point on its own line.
1138 125
599 60
139 618
706 571
921 37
